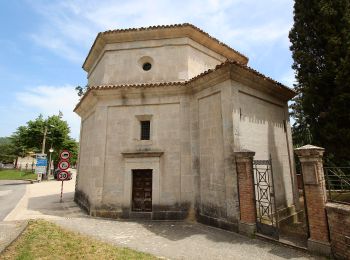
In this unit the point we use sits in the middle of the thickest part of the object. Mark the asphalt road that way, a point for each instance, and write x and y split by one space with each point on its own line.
10 194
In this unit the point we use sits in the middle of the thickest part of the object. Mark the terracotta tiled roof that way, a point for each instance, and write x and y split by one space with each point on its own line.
186 83
172 26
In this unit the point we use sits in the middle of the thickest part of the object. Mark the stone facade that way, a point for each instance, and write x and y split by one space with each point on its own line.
203 103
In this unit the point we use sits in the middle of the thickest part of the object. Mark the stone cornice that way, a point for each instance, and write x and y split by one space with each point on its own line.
142 153
227 70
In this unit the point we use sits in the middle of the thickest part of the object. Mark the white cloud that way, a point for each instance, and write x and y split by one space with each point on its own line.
49 100
255 28
245 25
58 46
288 79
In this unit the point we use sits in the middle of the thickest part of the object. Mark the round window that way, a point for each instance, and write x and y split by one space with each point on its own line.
147 66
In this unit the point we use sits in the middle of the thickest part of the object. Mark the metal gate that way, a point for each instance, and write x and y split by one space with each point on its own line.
267 217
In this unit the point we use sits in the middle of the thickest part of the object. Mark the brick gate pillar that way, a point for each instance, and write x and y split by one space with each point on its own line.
245 176
315 197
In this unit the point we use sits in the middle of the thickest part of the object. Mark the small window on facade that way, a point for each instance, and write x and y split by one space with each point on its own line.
145 130
147 66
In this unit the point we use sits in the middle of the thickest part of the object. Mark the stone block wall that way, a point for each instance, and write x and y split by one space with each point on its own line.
339 227
171 59
261 126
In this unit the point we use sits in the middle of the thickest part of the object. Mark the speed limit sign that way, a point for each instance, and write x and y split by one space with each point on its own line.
63 165
65 155
62 176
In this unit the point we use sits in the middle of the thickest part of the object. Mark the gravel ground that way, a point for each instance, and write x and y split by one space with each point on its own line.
179 240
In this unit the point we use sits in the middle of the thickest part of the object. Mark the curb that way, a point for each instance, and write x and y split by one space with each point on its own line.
32 181
15 235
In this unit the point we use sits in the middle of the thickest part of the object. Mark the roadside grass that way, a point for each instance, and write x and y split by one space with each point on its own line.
45 240
17 175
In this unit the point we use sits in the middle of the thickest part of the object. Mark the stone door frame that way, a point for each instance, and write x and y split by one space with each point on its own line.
141 163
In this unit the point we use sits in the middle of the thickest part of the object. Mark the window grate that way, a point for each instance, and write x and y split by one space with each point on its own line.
145 130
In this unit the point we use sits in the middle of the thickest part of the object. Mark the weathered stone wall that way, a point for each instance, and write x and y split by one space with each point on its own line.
212 188
201 59
194 133
118 131
123 135
217 200
84 188
261 125
339 226
172 60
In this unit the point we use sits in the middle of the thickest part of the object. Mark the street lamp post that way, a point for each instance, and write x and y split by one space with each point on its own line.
43 149
44 141
49 169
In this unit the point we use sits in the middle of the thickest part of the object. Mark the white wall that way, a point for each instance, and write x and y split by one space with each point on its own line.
260 128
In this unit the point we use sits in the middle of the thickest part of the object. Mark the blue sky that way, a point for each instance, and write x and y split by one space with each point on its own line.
44 43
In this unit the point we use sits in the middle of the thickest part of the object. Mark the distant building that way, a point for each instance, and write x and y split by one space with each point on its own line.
166 109
27 162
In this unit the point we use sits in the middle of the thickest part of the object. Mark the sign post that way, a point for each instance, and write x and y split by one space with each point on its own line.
63 165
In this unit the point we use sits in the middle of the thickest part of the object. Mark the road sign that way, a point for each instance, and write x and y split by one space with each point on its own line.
65 155
63 165
41 164
62 176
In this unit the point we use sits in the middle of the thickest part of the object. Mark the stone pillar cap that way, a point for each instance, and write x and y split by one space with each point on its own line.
309 150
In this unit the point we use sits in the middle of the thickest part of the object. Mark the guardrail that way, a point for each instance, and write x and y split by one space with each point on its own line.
338 184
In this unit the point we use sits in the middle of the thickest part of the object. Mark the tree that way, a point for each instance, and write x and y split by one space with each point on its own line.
7 150
320 41
30 137
81 90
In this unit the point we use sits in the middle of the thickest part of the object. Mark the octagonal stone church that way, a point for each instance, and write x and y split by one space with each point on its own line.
166 108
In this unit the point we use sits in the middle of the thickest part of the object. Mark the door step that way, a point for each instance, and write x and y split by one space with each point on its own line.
141 215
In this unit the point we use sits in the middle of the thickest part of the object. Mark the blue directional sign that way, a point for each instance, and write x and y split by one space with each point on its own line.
41 162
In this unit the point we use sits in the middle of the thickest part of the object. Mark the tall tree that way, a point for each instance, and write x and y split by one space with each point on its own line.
320 41
7 150
30 137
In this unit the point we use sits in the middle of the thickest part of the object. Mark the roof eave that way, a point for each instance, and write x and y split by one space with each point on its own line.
275 88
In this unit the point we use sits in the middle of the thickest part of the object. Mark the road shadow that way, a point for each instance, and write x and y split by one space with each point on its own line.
13 182
51 205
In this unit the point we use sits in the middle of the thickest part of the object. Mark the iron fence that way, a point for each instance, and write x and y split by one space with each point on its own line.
338 184
267 217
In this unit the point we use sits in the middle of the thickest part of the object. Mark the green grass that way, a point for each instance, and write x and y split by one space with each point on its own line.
45 240
16 175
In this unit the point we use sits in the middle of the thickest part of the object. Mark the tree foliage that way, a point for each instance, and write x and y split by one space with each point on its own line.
81 90
320 41
7 150
29 138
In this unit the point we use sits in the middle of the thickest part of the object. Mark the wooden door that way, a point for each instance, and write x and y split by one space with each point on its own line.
142 190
